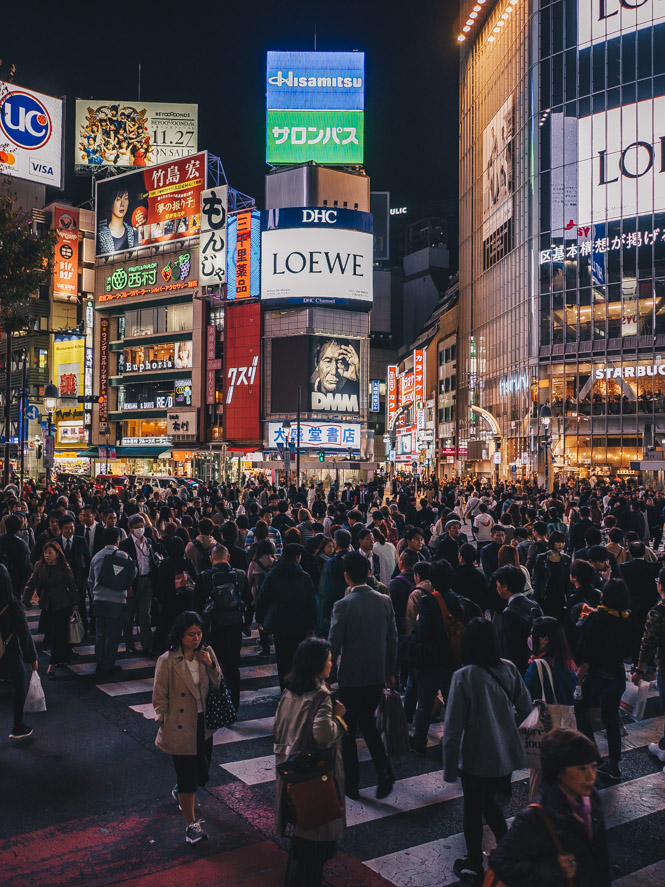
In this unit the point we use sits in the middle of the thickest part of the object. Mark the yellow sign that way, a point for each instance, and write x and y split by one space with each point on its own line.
69 366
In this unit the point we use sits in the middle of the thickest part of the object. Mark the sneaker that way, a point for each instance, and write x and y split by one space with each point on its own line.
656 749
174 795
195 833
610 771
22 731
467 870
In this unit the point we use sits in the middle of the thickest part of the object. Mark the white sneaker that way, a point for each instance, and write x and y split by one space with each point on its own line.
655 749
195 833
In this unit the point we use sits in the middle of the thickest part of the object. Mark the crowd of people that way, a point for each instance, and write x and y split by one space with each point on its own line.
548 595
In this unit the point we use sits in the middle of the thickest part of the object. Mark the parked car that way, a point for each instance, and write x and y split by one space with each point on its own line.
118 481
71 477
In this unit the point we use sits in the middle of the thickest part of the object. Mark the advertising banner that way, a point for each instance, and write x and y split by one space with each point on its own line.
327 137
316 80
391 400
242 377
621 170
65 266
104 369
212 252
319 266
375 400
153 205
316 217
132 280
600 20
243 270
69 362
147 358
181 424
70 433
498 185
122 134
334 374
30 135
319 435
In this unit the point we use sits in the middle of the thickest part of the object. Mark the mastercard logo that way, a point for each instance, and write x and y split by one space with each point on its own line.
6 157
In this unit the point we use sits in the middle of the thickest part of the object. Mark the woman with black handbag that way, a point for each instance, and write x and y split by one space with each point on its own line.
183 678
309 719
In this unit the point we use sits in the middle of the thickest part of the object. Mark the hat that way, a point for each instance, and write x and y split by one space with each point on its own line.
453 523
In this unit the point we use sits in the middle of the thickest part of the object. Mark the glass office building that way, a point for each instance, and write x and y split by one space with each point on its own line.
562 263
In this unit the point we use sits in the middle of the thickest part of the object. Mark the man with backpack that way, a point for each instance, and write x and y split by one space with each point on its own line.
220 597
439 629
112 573
198 551
15 556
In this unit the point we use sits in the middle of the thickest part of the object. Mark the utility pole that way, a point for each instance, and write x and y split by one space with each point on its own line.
298 439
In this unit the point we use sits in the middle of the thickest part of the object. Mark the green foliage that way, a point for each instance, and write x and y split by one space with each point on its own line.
25 264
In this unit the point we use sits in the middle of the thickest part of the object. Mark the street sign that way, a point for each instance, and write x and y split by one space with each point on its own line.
32 412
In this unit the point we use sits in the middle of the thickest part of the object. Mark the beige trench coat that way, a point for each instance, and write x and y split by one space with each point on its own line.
174 701
290 723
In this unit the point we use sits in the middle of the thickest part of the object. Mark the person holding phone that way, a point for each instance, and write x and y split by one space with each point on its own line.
183 677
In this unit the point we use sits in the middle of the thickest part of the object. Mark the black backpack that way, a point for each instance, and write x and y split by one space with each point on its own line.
223 602
206 563
118 571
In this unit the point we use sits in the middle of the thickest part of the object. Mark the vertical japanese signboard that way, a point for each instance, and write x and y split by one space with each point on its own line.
212 254
104 370
392 394
69 358
65 266
375 400
419 388
242 377
243 246
213 363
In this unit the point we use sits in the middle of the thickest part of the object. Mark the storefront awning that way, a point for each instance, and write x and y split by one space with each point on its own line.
142 452
90 453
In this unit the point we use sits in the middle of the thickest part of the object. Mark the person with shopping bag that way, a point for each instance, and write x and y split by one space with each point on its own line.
309 718
16 649
560 841
54 582
183 678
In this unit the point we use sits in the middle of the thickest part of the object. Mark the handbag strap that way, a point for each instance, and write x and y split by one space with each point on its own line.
499 682
6 642
544 664
317 702
555 838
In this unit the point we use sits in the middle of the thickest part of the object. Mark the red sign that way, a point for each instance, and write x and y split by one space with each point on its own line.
211 342
243 255
242 372
212 363
392 393
65 266
419 376
104 368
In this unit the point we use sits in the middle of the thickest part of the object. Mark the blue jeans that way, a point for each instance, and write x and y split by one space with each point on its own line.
600 688
109 621
429 681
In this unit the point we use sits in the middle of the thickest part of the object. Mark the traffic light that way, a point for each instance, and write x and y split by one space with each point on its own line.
40 451
322 456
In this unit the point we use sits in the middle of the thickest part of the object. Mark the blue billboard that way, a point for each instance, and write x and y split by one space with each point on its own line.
316 217
243 255
320 81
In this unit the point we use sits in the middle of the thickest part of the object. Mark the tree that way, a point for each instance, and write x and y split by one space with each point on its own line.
25 263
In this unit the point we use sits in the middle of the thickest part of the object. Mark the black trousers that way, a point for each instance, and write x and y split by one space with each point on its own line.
480 801
192 770
12 668
56 627
306 860
286 645
226 641
361 703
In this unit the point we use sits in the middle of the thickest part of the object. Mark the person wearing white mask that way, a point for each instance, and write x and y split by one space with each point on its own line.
139 596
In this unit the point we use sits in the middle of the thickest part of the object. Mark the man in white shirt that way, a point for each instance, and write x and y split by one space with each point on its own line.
139 596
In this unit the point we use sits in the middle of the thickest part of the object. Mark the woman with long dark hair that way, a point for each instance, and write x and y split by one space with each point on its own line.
311 849
19 650
183 676
58 594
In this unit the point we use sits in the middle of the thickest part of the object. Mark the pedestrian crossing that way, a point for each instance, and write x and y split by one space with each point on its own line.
412 837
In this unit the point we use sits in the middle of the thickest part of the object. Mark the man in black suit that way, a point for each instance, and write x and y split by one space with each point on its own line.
640 576
139 596
90 530
348 496
76 554
449 544
577 531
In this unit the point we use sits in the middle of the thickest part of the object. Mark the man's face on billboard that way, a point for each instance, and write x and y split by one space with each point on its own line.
335 365
121 205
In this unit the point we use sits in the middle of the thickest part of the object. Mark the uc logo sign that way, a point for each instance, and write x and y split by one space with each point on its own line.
25 120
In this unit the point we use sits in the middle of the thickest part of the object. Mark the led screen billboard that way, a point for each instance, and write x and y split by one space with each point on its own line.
498 185
316 80
154 205
30 135
334 381
243 255
124 134
317 266
328 137
242 372
66 261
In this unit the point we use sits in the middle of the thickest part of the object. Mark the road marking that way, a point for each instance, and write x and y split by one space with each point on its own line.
651 876
86 668
126 688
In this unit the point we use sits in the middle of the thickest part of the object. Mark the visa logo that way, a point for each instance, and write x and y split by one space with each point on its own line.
41 169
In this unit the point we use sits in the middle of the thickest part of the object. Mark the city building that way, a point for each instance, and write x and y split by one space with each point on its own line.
562 257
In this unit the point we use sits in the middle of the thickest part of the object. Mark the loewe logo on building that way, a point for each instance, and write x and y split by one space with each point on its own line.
317 261
600 20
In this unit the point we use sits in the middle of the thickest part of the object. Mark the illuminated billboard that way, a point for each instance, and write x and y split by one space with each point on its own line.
334 374
69 364
329 137
243 251
123 134
498 185
316 80
601 20
65 264
154 205
319 435
242 373
30 135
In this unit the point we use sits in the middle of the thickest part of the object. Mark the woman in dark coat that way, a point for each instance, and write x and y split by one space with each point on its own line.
551 577
176 576
58 593
19 650
527 855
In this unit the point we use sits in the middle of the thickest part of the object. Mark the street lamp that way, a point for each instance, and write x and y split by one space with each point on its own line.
546 418
51 395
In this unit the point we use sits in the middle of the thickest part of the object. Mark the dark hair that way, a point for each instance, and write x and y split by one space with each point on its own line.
355 514
661 577
583 571
309 661
378 535
411 532
636 549
183 622
12 524
480 643
261 530
356 566
513 577
229 532
598 553
555 536
557 649
264 546
593 536
616 535
342 538
563 748
585 511
497 528
468 554
422 569
520 533
409 558
616 595
205 526
540 527
441 576
110 535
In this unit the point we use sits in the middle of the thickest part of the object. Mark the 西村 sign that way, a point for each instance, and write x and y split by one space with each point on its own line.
30 135
328 137
323 435
148 278
316 80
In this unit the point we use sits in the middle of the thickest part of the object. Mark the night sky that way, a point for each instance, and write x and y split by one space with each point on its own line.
216 58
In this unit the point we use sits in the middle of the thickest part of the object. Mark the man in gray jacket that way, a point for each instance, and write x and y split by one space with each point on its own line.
109 603
364 635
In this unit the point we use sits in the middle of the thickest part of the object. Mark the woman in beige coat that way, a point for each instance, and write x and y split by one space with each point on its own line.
183 677
309 850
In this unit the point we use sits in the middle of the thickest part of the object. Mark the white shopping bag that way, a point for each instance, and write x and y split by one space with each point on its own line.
634 699
35 700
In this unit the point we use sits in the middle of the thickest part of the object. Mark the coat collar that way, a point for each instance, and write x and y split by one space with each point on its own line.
182 669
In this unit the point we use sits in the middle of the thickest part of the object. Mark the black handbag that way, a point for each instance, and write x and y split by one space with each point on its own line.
220 711
309 780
